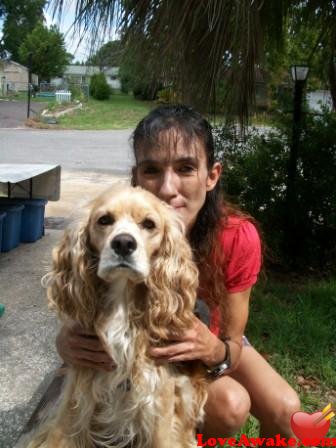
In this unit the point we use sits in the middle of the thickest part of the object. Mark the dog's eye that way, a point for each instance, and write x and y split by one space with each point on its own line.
148 224
105 220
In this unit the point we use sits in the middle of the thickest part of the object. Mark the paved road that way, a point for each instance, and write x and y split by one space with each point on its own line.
14 113
90 162
97 151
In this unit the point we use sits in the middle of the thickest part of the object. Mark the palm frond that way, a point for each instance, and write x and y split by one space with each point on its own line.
193 44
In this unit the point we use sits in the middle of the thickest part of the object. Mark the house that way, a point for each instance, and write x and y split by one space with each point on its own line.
81 74
14 77
318 100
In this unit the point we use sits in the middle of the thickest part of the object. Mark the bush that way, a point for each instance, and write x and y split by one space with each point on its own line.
125 84
167 96
99 89
78 92
146 91
255 173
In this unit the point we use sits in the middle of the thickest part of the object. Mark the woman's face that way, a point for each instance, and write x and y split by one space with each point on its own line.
177 175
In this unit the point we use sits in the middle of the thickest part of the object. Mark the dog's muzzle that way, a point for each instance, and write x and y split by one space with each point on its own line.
124 244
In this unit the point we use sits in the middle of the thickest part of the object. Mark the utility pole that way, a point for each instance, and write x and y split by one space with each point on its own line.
30 56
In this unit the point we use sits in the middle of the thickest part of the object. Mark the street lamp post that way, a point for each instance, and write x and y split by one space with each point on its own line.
299 76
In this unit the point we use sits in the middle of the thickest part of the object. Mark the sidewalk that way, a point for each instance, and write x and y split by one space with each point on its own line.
28 328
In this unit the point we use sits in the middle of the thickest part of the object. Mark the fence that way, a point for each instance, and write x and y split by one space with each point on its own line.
63 96
77 90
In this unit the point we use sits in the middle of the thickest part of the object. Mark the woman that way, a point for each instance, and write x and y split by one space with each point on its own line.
174 153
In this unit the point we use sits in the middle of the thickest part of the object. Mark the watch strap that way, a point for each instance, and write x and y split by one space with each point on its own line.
219 369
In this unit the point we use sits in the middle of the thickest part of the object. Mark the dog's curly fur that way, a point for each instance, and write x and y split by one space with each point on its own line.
133 301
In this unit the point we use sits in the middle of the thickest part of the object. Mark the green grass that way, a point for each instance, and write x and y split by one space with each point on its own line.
293 325
119 112
22 96
257 119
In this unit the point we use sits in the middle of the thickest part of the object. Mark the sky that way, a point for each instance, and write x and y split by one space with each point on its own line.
80 50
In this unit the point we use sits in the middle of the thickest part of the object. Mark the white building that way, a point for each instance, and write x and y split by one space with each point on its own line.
14 77
81 74
319 99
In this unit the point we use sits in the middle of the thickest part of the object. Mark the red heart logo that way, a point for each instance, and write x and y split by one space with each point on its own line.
305 426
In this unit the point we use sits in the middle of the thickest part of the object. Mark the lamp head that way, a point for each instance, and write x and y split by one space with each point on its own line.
299 72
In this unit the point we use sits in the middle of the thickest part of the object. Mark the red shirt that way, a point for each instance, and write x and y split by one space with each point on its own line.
240 243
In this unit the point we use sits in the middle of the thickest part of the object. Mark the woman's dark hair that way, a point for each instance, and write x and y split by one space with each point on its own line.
187 123
176 121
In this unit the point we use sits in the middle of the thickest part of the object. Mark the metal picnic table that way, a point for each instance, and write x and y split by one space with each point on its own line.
31 181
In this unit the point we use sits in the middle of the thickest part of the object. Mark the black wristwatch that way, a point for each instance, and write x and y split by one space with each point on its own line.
220 369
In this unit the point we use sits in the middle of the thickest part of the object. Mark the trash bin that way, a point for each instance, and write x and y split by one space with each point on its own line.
33 220
32 225
2 218
11 230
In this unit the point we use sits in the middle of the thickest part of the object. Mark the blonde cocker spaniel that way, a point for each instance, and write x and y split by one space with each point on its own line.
125 270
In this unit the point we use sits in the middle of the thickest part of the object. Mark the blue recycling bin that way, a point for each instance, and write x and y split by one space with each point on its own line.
11 230
2 218
32 225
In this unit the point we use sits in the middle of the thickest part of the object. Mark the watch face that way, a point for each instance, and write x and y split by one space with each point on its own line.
219 370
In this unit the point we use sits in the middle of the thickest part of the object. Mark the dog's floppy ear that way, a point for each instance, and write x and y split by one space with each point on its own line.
72 284
172 283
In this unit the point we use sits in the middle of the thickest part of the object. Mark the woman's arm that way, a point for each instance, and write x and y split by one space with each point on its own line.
238 311
82 349
200 343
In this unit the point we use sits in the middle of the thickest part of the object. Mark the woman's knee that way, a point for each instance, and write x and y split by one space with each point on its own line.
227 411
289 404
283 408
237 412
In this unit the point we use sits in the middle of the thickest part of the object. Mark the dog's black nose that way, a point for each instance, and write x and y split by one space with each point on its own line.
123 244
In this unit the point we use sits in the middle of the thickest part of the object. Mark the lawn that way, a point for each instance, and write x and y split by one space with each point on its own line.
22 96
119 112
293 326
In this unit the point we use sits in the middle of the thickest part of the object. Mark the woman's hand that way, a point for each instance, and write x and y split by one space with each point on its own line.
196 343
82 349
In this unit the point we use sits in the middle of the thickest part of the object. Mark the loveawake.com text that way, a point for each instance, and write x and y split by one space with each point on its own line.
264 441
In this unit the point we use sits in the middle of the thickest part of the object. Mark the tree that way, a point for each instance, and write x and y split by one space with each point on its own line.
49 56
2 9
321 17
192 44
211 48
108 55
20 18
310 38
99 89
137 76
195 44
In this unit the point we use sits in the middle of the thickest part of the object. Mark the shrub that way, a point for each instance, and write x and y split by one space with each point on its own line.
167 96
78 92
254 176
145 91
99 89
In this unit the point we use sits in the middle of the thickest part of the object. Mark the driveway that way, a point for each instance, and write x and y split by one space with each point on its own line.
96 151
14 113
91 161
28 329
